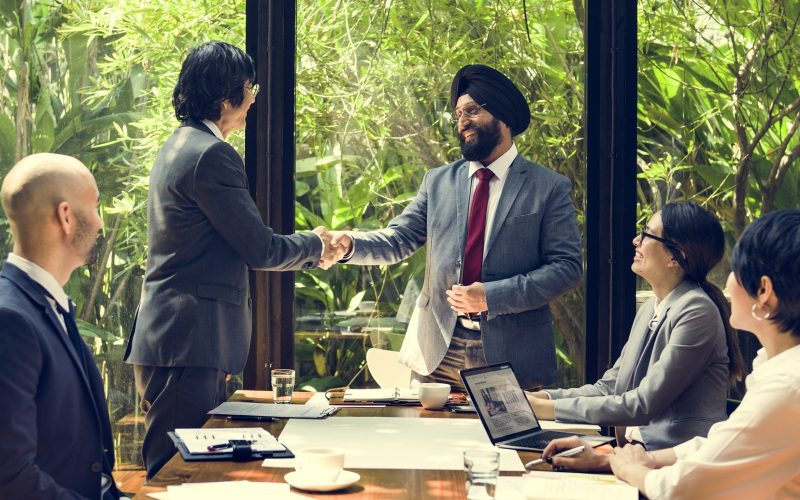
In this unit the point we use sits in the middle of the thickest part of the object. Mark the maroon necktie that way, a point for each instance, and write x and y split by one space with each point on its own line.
476 228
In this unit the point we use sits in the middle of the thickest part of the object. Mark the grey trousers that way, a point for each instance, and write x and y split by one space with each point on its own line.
174 398
465 351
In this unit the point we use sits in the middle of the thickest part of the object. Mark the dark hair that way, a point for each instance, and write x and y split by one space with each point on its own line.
701 242
212 73
770 246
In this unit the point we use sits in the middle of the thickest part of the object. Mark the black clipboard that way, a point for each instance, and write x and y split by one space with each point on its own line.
210 457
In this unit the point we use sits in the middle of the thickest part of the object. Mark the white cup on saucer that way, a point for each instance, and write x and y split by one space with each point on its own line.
322 465
433 396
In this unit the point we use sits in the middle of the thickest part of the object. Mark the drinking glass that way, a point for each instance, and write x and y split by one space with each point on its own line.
282 385
482 468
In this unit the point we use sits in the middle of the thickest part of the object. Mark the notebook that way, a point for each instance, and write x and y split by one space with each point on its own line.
505 412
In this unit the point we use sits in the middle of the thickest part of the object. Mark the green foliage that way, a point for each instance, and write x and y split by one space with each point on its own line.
719 106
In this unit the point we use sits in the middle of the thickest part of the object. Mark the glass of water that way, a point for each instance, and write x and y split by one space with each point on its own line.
282 385
482 468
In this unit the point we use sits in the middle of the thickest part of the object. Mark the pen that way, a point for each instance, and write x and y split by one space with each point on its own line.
566 453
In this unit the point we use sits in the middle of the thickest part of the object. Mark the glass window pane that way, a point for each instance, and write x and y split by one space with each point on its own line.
95 82
719 94
372 117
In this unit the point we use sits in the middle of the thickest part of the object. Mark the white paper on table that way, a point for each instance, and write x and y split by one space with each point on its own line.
197 441
318 399
509 488
240 490
394 442
544 485
551 425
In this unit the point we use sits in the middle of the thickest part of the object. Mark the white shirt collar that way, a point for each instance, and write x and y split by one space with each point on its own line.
213 128
42 277
499 167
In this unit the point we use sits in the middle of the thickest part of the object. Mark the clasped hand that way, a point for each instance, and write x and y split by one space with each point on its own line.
337 244
467 299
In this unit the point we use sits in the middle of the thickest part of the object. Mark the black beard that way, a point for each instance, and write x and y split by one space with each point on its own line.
81 234
486 139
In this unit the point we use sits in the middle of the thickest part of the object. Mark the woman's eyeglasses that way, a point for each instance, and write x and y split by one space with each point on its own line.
673 247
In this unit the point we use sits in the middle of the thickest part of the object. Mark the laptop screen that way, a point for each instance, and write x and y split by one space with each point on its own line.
500 401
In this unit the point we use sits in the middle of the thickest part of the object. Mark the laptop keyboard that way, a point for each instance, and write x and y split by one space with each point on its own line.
538 441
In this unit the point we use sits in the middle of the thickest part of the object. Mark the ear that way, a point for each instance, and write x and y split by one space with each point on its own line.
65 217
766 294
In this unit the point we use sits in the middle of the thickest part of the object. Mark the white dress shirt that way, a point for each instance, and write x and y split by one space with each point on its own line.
753 454
47 281
499 168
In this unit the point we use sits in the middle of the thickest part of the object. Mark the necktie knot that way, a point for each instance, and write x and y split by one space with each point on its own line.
484 174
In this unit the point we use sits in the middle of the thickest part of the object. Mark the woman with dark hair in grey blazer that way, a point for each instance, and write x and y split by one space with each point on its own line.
671 381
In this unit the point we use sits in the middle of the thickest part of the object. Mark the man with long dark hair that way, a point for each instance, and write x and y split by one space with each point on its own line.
204 231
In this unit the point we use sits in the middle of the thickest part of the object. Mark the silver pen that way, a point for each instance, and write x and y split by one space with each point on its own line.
566 453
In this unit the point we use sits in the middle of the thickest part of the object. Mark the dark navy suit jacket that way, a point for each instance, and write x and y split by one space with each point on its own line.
55 435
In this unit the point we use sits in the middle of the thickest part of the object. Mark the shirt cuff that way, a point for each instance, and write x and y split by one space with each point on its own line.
349 255
322 252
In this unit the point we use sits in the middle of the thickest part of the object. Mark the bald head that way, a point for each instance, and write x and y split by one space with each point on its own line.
36 185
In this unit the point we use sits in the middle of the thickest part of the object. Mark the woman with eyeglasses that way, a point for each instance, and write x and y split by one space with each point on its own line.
671 380
755 453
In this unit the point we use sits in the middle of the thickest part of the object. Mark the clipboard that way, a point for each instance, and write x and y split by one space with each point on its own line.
243 454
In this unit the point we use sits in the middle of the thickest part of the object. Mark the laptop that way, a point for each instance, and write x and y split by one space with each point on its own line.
505 412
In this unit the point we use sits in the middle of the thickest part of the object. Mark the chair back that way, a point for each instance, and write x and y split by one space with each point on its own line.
384 367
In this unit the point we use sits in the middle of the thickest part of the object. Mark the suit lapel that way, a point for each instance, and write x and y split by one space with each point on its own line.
518 175
639 332
462 208
36 293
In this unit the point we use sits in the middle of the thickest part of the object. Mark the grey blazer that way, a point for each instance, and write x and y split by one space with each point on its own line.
533 255
686 384
203 232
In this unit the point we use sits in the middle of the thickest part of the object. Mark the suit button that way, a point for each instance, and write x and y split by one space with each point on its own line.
249 302
96 467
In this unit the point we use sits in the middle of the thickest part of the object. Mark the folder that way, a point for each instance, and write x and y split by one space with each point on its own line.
238 444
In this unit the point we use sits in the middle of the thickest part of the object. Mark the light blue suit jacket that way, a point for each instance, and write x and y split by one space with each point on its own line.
533 254
685 387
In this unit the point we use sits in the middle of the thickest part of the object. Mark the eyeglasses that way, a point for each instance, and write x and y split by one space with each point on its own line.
254 88
471 111
673 247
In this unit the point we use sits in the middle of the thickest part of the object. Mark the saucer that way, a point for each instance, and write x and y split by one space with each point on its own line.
345 479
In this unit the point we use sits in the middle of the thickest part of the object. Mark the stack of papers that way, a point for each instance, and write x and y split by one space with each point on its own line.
383 395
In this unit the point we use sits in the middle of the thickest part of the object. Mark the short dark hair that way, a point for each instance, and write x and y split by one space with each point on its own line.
770 246
701 245
211 74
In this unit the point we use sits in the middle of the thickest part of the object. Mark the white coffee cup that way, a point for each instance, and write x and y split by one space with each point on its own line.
322 465
433 396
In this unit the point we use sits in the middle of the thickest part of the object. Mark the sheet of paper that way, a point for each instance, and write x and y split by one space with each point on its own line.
246 409
551 425
198 441
544 485
240 490
394 443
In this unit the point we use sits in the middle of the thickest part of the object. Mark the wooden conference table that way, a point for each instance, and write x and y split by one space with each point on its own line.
374 483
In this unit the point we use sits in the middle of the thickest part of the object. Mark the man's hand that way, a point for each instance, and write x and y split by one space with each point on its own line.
336 245
467 299
537 394
589 460
342 240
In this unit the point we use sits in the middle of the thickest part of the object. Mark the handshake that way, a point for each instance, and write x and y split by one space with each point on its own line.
337 244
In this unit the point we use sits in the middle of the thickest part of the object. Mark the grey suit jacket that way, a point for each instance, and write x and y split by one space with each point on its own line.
533 255
203 232
686 384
